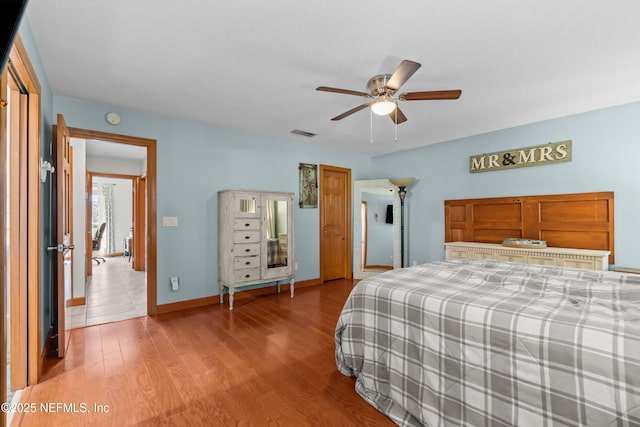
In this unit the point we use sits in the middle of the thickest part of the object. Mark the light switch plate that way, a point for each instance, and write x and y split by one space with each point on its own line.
169 221
175 284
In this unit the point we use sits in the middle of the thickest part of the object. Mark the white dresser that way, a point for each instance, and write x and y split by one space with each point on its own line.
559 257
255 240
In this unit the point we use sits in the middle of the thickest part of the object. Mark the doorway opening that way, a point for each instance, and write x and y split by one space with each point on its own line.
115 286
123 168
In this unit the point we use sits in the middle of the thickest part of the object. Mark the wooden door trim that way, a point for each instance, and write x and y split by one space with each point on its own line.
114 175
20 65
150 145
139 248
348 220
15 146
91 175
3 162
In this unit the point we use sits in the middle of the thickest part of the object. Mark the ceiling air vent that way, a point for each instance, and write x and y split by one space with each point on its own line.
303 133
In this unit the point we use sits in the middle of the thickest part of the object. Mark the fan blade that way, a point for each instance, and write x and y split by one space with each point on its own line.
429 95
402 74
350 112
399 118
344 91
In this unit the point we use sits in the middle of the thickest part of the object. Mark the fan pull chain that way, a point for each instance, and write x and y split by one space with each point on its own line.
370 126
396 127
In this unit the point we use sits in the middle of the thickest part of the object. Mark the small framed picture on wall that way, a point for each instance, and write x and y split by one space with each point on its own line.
308 185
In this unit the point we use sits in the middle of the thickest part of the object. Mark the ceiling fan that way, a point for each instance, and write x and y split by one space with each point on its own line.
383 87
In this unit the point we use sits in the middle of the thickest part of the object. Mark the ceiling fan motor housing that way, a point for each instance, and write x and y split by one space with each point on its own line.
378 85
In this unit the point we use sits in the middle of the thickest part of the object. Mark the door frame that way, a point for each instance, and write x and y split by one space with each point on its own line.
20 65
89 184
365 232
150 145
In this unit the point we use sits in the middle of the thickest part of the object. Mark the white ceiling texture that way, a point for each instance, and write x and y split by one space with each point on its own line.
254 65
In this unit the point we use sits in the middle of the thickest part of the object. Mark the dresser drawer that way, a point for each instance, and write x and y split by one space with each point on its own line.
246 236
457 254
512 258
541 260
246 262
246 249
578 263
481 255
246 275
246 224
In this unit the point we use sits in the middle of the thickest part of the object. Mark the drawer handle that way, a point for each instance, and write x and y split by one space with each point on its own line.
247 250
247 263
247 237
247 276
247 225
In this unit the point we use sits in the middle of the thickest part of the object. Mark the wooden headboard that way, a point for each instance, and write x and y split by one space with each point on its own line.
583 220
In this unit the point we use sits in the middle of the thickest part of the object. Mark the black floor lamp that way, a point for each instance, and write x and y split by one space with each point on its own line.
402 184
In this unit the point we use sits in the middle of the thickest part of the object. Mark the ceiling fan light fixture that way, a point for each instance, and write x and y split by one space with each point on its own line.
384 105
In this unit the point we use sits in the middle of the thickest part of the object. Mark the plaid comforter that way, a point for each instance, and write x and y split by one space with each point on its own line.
487 343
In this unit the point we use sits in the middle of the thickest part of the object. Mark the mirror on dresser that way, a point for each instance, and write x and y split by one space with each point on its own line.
276 228
277 220
376 237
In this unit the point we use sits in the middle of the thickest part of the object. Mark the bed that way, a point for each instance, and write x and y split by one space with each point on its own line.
482 342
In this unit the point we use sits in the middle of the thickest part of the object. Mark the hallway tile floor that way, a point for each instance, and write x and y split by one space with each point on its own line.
115 292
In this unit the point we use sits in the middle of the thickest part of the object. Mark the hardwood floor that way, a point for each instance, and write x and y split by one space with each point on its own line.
269 362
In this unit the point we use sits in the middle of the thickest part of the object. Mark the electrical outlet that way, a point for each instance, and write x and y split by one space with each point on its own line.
175 284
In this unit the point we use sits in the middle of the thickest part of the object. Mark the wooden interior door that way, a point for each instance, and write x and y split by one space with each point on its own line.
140 224
63 220
335 223
28 107
14 149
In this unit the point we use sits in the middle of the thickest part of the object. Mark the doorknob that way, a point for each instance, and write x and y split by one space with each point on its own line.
60 248
324 231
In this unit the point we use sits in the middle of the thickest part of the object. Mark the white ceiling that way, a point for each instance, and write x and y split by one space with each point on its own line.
254 65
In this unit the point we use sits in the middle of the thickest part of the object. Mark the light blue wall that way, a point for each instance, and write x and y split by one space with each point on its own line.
195 162
606 150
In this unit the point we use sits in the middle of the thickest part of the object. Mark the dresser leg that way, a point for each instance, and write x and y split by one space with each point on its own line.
291 287
231 292
278 285
221 294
